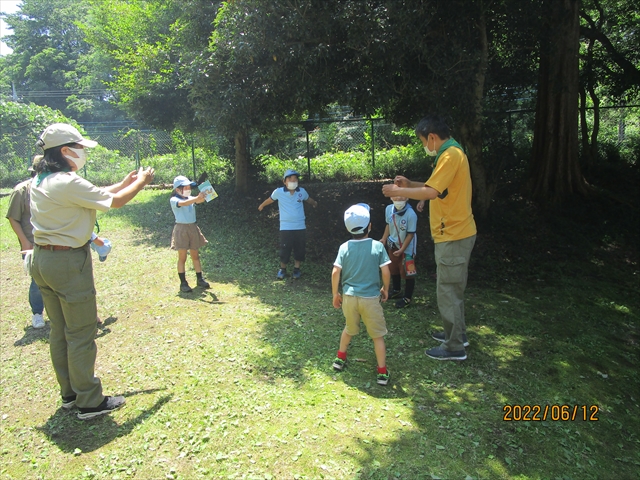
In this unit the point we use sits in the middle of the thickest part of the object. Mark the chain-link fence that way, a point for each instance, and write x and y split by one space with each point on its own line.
122 147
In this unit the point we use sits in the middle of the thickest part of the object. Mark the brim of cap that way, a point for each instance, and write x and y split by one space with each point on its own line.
87 143
184 184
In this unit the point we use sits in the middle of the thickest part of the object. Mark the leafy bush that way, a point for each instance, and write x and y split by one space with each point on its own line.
21 124
106 167
344 166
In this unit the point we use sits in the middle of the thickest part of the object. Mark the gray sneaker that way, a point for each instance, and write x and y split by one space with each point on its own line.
440 353
439 336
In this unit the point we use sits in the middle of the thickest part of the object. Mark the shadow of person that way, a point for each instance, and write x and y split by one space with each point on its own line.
72 435
32 335
103 327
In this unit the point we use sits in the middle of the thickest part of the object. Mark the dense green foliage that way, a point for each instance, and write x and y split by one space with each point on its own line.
52 64
20 126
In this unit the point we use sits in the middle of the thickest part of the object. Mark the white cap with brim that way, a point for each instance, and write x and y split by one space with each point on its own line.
182 181
357 218
62 134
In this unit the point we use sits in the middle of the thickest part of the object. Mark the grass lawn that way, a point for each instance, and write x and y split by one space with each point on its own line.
236 381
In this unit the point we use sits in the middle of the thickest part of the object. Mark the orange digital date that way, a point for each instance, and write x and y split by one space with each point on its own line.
541 413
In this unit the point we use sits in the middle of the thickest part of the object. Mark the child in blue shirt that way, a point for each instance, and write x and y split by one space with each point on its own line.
292 225
186 234
360 262
400 240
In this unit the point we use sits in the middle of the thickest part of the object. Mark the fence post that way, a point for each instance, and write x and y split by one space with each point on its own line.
308 127
193 155
373 146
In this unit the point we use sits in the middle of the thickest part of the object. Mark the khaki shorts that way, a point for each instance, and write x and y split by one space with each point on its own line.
369 309
187 236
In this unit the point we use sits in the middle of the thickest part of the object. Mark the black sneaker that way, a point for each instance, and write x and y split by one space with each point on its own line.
440 353
339 364
403 303
439 336
108 405
202 283
296 273
184 287
68 402
383 378
395 294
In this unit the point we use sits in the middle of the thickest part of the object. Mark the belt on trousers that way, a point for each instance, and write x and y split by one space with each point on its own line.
54 248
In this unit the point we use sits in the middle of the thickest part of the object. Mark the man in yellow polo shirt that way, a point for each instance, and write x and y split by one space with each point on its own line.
452 227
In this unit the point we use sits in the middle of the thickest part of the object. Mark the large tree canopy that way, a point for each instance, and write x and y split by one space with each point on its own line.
52 64
246 65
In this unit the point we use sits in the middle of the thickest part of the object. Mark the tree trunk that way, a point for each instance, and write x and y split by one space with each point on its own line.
555 169
471 131
242 161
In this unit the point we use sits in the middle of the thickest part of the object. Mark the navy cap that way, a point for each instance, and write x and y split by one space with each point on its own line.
290 172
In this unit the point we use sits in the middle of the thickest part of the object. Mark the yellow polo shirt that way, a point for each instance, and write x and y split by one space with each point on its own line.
63 209
450 213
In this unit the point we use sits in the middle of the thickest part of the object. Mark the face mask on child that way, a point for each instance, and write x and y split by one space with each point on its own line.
186 192
399 205
292 185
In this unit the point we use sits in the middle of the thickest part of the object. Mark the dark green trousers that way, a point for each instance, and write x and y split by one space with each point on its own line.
65 278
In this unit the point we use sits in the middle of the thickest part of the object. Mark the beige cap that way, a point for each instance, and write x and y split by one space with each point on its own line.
61 134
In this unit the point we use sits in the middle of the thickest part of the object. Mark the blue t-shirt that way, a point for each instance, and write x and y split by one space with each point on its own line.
183 214
360 261
400 224
291 207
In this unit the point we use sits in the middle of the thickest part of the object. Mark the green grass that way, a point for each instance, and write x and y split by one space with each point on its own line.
236 382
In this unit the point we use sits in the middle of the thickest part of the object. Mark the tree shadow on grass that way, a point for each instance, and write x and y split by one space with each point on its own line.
522 352
69 433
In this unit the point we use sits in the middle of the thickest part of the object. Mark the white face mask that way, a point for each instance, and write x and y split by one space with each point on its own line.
186 192
399 205
81 160
431 153
292 185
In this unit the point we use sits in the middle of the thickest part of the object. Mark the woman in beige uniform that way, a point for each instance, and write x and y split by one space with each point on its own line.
63 214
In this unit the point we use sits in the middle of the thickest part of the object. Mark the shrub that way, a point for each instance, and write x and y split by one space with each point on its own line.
344 166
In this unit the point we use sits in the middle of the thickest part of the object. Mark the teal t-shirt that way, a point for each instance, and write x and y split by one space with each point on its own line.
360 261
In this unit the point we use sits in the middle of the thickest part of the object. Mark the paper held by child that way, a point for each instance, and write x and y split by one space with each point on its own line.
206 188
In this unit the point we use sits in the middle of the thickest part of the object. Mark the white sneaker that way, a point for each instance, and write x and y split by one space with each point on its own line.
37 321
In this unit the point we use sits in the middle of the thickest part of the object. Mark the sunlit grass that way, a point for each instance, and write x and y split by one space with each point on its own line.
237 381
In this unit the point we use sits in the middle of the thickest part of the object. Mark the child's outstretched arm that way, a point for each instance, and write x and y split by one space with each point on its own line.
386 279
311 202
191 200
335 281
268 201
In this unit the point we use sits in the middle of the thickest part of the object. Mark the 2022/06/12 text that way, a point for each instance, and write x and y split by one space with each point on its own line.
541 413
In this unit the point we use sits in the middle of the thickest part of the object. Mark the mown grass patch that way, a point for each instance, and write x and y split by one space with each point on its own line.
236 381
